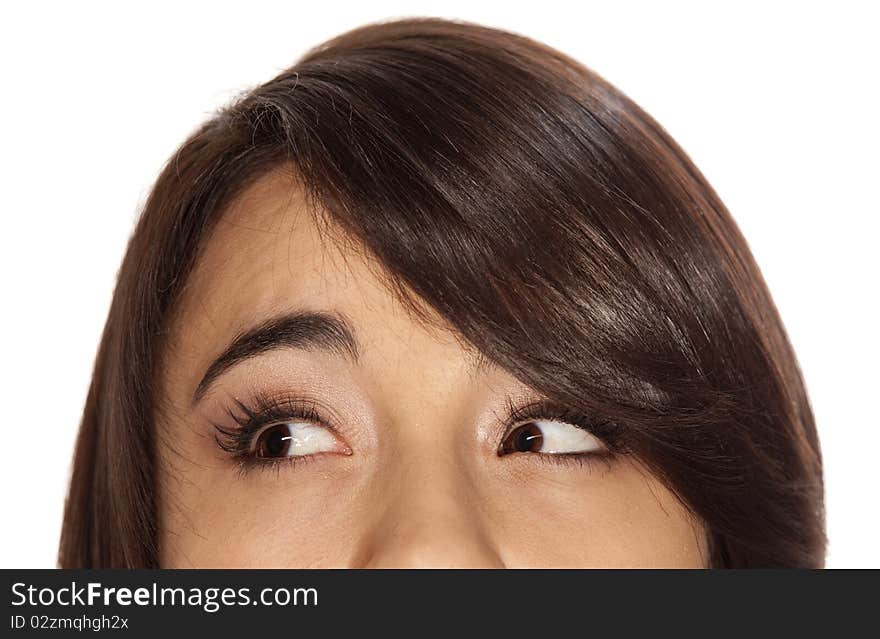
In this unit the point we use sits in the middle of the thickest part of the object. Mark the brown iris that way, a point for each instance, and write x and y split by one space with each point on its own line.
273 442
526 438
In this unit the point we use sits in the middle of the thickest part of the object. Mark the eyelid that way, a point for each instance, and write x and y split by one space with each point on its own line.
539 409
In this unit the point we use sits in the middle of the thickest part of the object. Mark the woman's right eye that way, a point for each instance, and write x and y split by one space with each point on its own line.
296 439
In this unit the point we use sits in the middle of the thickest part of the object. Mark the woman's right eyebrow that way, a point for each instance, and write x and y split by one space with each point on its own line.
308 330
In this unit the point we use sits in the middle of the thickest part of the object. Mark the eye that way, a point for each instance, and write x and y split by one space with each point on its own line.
275 429
296 439
550 437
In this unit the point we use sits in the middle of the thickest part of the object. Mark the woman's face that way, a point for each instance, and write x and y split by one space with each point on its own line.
394 458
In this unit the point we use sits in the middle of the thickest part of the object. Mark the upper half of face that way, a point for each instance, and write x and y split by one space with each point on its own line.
410 459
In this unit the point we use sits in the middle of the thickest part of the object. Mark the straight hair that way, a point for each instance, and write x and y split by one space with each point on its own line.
552 222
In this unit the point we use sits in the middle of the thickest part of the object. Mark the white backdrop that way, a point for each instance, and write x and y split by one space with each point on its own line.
777 105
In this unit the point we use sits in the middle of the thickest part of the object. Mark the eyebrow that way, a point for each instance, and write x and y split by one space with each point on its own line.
307 330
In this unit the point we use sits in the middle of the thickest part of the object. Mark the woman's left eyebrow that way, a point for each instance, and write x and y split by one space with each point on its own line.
315 330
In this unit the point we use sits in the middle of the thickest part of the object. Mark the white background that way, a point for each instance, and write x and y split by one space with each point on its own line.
776 103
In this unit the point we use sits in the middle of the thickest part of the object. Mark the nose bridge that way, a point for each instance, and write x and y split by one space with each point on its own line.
428 512
430 519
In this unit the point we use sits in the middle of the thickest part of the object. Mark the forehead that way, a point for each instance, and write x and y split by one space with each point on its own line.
270 254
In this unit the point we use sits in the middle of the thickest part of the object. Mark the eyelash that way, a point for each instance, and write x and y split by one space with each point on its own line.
250 420
265 410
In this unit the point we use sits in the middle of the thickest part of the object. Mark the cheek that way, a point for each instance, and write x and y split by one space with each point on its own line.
311 518
311 513
214 517
613 517
319 513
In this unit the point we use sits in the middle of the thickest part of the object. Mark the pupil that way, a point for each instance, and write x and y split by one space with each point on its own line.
275 442
528 439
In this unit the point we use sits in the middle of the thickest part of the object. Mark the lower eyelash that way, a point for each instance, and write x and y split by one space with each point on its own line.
591 461
246 464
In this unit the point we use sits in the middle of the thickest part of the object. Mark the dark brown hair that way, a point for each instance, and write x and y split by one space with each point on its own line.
549 219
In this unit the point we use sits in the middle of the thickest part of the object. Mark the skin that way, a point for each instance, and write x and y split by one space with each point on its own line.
423 485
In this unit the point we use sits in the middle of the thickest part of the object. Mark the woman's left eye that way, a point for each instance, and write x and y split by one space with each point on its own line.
296 439
550 437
